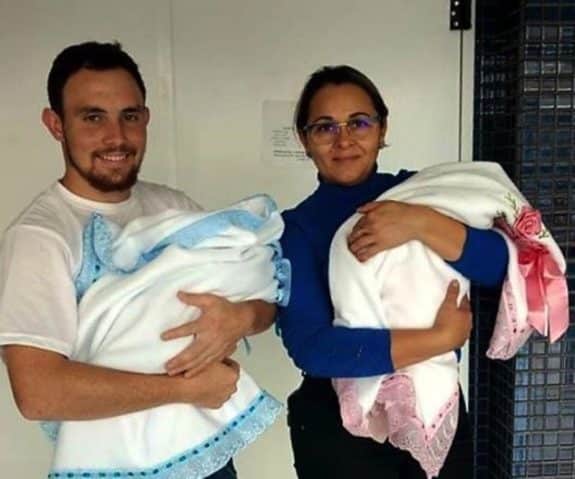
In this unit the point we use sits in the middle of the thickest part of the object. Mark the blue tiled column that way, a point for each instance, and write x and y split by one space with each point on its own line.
524 410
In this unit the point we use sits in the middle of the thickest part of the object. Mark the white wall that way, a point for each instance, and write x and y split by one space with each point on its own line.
209 66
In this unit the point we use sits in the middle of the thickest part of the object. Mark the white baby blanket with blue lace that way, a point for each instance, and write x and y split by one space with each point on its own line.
127 289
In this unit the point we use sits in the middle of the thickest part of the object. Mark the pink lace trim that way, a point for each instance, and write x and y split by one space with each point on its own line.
508 336
394 417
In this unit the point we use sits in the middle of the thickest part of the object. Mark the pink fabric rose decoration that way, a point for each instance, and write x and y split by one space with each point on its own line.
528 224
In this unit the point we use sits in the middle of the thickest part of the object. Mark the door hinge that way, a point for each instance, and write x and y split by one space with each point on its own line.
460 14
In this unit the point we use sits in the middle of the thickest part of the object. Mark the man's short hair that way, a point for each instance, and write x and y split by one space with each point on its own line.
93 56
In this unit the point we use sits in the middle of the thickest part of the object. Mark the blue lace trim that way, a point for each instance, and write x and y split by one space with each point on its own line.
282 274
98 238
50 428
203 460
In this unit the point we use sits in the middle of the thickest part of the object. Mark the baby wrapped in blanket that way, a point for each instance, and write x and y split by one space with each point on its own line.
127 297
416 408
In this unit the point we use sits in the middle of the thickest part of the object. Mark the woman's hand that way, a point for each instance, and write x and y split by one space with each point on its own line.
385 225
453 323
451 329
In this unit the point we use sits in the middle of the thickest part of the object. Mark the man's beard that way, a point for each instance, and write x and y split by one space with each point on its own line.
105 183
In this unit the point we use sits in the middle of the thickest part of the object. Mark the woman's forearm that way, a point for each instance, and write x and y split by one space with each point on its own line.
478 254
442 234
412 346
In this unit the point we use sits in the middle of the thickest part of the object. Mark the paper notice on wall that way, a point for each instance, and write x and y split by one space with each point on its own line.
280 143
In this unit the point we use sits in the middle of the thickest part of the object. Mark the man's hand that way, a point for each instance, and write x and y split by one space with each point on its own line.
384 225
212 386
216 333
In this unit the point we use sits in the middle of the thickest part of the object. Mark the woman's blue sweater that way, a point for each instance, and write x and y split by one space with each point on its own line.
317 347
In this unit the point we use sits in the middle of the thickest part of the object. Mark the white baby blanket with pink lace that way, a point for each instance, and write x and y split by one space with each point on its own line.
416 408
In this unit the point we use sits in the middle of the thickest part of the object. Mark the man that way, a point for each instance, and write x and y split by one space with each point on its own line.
98 115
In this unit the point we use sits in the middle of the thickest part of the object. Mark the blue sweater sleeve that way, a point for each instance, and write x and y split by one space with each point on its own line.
484 257
316 346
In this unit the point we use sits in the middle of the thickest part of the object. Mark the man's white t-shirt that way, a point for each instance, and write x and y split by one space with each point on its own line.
41 253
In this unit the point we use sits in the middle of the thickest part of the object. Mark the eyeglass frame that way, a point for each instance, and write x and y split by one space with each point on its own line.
374 118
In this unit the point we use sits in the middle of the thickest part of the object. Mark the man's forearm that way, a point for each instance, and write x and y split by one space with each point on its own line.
258 316
47 386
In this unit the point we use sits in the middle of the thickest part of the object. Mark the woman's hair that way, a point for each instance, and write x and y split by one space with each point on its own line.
336 75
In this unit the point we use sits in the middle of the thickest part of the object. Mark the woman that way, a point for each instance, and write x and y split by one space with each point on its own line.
342 120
